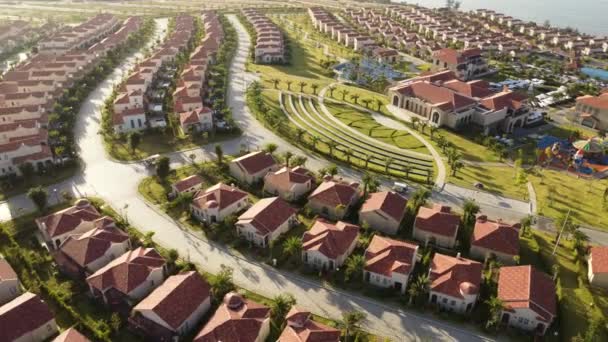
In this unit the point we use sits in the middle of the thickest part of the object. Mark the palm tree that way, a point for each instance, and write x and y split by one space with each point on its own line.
314 87
289 82
415 122
348 153
344 92
367 179
302 84
350 322
299 161
275 82
331 144
469 208
367 158
300 133
292 246
355 98
526 223
219 152
419 198
423 125
407 169
457 165
279 307
432 130
270 148
379 104
331 90
387 164
354 265
366 102
495 305
418 287
287 156
580 238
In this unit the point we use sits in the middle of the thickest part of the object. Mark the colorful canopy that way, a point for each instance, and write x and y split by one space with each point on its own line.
590 146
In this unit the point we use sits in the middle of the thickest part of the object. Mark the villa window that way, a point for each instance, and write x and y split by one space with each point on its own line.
444 300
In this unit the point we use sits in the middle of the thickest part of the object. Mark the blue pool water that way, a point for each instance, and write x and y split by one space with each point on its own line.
596 73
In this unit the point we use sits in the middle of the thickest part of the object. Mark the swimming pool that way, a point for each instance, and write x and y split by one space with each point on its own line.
597 73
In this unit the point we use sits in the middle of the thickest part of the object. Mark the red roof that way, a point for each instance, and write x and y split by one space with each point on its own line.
526 287
71 335
387 202
92 245
436 95
599 259
237 319
600 102
496 236
177 298
333 193
219 195
67 220
331 240
455 276
23 315
6 271
438 220
300 328
453 57
385 256
475 88
267 215
255 162
128 271
187 183
505 99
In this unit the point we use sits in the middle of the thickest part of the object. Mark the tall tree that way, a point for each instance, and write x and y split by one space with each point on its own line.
351 321
279 307
302 84
355 98
331 90
495 306
134 139
219 153
270 148
222 283
288 82
314 88
419 198
344 92
354 266
286 157
39 196
292 246
163 167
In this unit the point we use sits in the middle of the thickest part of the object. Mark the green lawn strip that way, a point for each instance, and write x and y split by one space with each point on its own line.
362 94
362 148
577 304
365 124
565 131
56 175
558 191
499 180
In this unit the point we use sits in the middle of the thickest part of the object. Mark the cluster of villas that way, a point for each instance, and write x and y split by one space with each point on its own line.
270 44
14 33
135 283
359 39
528 294
488 30
140 99
29 91
442 99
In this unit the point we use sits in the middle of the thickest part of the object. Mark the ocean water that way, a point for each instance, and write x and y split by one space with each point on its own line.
589 16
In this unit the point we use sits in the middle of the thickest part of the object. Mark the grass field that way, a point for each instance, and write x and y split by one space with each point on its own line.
578 303
584 197
499 180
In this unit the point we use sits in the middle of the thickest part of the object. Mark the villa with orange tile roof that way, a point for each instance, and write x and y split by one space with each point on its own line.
301 328
252 167
78 219
10 287
443 100
266 220
495 239
71 335
467 64
389 262
333 198
27 318
173 309
128 278
237 319
189 184
383 211
289 183
84 254
198 120
436 225
529 298
455 283
327 245
218 202
598 266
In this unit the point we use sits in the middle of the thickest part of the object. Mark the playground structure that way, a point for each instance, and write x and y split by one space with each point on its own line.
585 158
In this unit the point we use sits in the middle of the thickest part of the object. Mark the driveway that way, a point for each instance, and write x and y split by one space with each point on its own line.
116 183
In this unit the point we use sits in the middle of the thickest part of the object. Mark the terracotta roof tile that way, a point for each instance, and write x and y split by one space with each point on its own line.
177 298
220 195
301 328
438 220
28 305
526 287
455 276
599 259
69 219
255 162
236 320
6 271
333 193
267 215
92 245
388 202
496 236
385 256
187 183
71 335
332 240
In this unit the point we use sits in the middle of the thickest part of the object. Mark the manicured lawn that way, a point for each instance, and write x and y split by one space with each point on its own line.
584 197
496 179
577 302
364 123
55 176
566 130
466 146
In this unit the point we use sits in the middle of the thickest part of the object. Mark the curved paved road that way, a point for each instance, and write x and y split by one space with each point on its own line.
117 183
